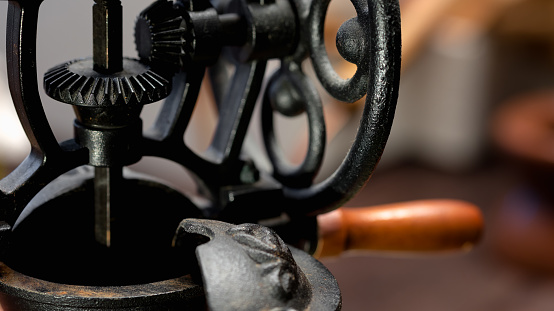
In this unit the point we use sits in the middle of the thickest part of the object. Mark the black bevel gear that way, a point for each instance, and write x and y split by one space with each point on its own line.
162 35
78 84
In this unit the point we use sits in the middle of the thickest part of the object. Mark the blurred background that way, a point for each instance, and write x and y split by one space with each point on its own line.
475 121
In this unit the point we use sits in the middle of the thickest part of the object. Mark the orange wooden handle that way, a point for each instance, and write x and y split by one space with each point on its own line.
427 225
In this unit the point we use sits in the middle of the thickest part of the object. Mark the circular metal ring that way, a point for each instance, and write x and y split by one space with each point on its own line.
30 293
307 96
349 90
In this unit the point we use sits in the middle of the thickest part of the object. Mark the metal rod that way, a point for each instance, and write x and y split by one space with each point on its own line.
106 180
107 18
107 25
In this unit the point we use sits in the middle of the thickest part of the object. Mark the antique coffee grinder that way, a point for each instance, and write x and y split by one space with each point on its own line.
79 231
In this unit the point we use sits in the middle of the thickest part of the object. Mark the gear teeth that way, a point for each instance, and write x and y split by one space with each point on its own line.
91 89
162 36
79 99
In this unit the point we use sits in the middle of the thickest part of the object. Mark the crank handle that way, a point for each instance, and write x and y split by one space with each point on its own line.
417 226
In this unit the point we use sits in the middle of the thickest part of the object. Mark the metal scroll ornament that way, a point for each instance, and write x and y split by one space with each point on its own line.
79 231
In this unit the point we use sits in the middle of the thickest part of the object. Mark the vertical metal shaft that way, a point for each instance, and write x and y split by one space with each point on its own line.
106 181
107 16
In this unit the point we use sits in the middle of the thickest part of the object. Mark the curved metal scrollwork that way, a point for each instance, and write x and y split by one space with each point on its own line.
251 33
291 93
47 159
353 43
371 41
179 40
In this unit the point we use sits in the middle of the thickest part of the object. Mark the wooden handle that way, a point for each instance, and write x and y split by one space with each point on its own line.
418 226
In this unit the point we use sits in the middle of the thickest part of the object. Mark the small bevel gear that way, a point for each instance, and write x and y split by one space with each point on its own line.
162 35
77 83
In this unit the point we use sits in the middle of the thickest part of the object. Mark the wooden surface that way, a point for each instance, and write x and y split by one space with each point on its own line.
416 226
479 280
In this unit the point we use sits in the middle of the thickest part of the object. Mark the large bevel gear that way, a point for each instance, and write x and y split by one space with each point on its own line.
77 83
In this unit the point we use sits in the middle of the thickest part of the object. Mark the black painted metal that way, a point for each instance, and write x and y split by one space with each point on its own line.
258 265
290 93
384 53
107 33
234 39
21 292
48 159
